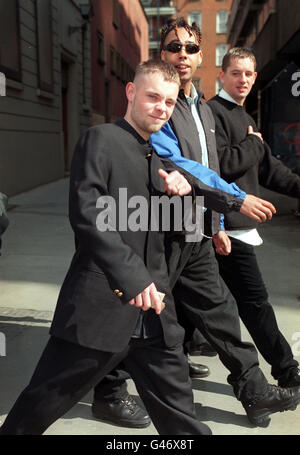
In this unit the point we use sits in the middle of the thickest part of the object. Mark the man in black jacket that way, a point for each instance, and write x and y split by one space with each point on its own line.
201 298
246 159
103 314
115 273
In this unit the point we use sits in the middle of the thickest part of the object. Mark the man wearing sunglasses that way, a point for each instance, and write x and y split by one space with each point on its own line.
202 300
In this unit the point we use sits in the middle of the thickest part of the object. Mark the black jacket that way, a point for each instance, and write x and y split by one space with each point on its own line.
179 252
245 160
110 268
185 128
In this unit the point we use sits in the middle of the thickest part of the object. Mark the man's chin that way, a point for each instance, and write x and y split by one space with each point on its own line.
156 128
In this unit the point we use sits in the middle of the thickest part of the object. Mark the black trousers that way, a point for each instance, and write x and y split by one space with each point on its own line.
66 372
203 301
241 273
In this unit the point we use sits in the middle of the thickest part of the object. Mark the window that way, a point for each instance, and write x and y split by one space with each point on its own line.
116 13
44 44
113 60
218 85
195 16
10 57
118 66
101 49
221 50
222 17
151 29
153 54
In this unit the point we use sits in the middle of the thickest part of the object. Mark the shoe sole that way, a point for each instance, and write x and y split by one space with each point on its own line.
263 420
204 354
121 423
199 376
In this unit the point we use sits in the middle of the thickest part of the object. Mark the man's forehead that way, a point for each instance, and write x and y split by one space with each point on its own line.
156 82
241 63
181 34
169 89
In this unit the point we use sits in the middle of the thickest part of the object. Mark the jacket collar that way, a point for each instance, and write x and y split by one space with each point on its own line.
127 127
181 95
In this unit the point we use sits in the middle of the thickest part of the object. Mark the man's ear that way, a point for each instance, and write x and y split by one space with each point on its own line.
221 76
130 91
200 57
162 55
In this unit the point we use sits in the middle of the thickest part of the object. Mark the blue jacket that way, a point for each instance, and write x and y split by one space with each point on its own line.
166 145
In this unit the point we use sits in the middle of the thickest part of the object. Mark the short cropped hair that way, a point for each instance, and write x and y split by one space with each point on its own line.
237 52
167 70
174 24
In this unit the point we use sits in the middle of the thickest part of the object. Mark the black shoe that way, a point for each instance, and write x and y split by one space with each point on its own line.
124 412
201 349
197 370
293 379
276 399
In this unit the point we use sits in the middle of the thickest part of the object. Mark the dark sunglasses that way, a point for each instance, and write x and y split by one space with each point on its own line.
176 47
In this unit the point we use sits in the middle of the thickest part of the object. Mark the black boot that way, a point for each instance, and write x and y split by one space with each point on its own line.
292 379
124 412
276 399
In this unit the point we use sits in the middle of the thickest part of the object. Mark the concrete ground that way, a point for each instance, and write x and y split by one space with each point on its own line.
37 249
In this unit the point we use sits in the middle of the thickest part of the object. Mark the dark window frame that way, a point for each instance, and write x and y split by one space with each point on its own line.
101 52
10 73
115 18
45 86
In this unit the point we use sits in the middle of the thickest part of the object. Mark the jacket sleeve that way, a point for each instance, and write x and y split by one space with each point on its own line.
218 194
236 159
90 173
275 176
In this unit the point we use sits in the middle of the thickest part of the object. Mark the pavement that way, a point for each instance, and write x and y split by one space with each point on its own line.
37 249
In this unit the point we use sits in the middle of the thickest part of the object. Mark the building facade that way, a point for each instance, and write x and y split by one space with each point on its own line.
119 37
211 16
45 63
157 12
271 28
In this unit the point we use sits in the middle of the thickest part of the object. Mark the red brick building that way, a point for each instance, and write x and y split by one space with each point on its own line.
211 16
119 41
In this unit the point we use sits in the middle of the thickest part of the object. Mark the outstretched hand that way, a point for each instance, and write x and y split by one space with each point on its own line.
257 209
175 183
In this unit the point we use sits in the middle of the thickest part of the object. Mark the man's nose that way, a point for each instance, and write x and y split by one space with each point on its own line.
161 106
243 77
182 52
